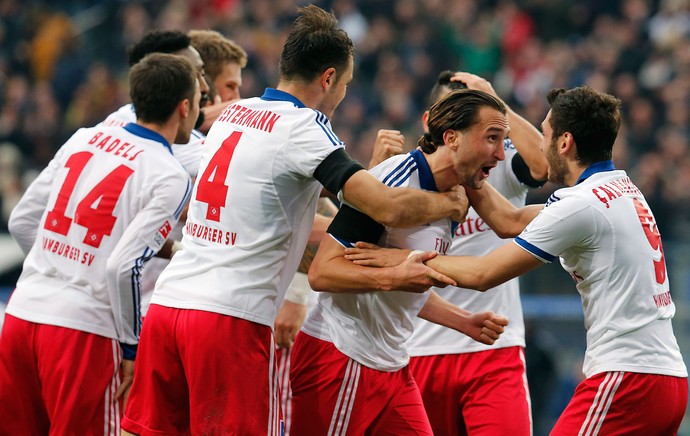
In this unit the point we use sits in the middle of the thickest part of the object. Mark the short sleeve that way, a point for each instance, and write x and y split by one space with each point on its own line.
557 228
310 142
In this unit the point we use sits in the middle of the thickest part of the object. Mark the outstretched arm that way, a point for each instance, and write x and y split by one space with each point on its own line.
483 327
501 215
486 272
403 207
481 273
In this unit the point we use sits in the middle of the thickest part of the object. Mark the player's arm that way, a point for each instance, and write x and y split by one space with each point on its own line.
331 272
291 315
25 218
393 207
483 327
172 246
530 164
480 273
501 215
143 237
486 272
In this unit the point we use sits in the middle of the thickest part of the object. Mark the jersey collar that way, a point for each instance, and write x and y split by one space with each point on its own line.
276 95
597 167
142 131
426 177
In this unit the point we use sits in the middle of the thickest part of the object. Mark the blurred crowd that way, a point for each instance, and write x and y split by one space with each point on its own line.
63 66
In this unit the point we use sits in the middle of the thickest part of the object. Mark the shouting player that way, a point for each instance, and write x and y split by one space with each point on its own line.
603 230
207 358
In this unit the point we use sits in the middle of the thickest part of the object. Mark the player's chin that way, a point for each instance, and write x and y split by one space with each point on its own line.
477 183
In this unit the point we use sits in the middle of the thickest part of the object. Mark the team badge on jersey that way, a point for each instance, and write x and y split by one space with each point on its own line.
165 229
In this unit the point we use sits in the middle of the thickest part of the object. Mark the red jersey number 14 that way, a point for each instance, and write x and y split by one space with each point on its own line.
98 220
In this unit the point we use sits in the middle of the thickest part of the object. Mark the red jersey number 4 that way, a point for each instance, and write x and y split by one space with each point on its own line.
95 210
211 188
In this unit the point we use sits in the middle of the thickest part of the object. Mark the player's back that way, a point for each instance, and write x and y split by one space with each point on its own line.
92 190
251 210
188 153
605 235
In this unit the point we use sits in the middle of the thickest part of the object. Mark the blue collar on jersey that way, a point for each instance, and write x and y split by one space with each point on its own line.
276 95
142 131
597 167
426 178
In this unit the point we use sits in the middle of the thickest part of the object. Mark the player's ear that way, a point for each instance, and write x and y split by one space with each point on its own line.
184 107
328 78
567 144
450 137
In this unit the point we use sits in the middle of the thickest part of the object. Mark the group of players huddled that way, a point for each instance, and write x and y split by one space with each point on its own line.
416 325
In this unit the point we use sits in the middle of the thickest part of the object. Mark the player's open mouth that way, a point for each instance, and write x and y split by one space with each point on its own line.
485 171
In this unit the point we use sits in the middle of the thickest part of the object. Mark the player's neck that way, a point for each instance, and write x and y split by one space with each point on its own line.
308 93
167 131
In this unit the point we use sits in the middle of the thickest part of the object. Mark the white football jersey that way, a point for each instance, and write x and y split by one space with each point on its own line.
475 238
251 210
189 155
372 328
103 206
606 237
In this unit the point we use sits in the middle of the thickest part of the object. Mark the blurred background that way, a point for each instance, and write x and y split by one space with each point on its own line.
63 66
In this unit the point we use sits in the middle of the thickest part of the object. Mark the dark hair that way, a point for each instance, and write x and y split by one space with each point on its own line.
315 44
158 41
592 117
158 83
457 110
443 86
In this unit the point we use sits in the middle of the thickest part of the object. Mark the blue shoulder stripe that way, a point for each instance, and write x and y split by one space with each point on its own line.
401 173
322 121
535 251
552 199
185 199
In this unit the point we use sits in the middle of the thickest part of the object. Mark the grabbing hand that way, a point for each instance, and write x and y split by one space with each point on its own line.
474 82
462 203
413 276
367 254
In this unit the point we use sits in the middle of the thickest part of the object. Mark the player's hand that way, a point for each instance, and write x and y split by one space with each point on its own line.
484 327
474 82
367 254
388 143
288 323
413 276
127 373
462 204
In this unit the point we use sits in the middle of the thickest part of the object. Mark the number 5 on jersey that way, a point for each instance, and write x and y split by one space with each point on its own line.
99 220
211 188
